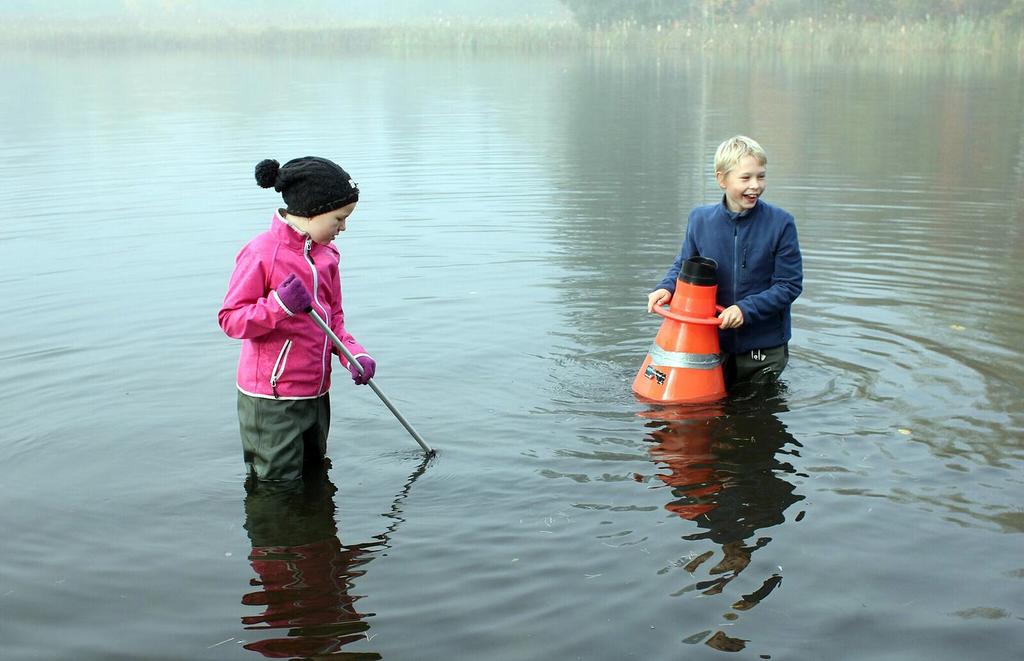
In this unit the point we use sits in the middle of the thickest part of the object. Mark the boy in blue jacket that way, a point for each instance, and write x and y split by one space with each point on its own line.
760 272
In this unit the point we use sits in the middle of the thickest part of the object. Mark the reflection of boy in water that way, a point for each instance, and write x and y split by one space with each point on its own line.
303 570
725 476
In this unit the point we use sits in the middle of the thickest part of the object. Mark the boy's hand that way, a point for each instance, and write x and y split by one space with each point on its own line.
658 297
732 317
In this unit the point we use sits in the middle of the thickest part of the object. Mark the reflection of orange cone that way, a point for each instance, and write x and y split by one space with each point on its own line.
685 449
684 364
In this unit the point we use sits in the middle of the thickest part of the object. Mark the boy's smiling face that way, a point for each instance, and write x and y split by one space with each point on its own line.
743 184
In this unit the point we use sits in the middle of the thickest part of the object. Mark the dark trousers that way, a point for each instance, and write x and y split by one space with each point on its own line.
282 436
757 366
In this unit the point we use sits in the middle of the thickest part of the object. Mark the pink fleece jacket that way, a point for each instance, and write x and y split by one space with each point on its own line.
284 354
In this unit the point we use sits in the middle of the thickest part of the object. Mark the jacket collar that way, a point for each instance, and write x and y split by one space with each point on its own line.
287 234
723 210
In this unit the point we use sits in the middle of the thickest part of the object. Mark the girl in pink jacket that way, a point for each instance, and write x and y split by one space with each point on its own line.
284 372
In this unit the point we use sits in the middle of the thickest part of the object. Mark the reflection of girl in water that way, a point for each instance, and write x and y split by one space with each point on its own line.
304 572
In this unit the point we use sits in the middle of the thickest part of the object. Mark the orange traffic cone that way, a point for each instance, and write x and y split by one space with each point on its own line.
684 363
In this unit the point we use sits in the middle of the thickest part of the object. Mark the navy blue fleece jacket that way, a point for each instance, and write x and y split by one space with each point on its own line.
759 269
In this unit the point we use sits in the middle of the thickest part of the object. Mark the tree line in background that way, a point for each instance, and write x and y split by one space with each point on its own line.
666 12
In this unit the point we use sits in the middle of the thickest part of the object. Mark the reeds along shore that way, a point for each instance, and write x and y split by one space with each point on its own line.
842 36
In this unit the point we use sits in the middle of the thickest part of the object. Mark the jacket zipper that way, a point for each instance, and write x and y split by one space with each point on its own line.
324 354
735 266
282 359
735 262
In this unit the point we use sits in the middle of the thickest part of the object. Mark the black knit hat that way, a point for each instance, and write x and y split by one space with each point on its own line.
310 185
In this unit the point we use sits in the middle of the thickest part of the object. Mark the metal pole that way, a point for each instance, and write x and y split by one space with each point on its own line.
352 361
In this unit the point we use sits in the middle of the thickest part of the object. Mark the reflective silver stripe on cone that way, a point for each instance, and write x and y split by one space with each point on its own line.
697 361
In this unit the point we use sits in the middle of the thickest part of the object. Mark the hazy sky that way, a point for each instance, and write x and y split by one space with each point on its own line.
326 10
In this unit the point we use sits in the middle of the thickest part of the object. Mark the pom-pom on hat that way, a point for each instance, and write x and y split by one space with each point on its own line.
309 185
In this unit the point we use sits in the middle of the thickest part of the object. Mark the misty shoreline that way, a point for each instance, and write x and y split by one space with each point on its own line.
974 37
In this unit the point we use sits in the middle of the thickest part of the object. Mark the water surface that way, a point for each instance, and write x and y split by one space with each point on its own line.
515 212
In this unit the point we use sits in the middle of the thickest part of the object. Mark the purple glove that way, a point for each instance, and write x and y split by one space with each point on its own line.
293 295
369 366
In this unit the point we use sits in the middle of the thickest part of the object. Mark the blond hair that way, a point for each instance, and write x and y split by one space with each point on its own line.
729 153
